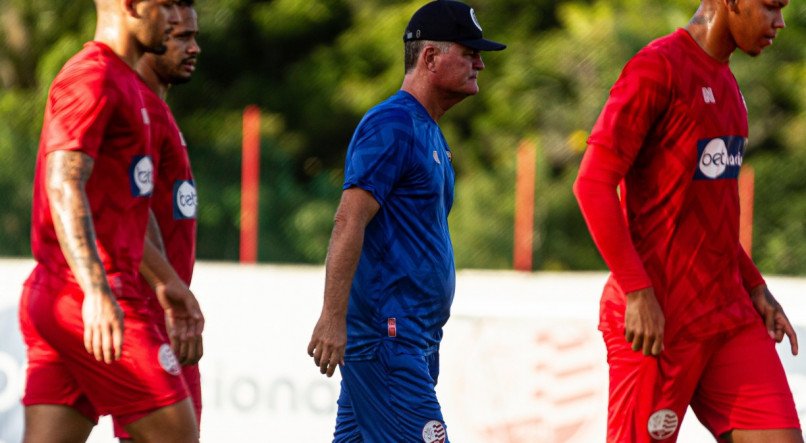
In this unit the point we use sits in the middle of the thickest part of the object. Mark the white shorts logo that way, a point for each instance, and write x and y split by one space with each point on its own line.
142 176
168 360
185 200
434 432
662 424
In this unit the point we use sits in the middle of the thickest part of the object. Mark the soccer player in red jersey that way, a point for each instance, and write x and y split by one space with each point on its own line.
686 317
173 204
94 176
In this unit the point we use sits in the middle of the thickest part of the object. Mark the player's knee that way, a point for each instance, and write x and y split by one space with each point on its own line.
171 424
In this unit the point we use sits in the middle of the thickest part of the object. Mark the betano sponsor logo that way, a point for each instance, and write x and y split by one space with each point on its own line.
185 199
141 176
720 157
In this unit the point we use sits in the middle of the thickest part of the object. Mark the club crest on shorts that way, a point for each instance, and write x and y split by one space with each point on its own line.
168 360
434 432
662 424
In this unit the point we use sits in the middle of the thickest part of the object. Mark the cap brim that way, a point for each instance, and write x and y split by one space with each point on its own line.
483 45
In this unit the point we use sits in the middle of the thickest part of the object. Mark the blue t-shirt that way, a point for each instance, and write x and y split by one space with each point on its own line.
406 270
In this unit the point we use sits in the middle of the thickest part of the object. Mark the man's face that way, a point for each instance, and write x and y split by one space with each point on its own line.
178 62
754 24
457 70
157 18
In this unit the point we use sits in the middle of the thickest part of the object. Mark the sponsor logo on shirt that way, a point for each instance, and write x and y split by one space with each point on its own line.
434 432
719 157
168 360
708 95
185 200
141 176
662 424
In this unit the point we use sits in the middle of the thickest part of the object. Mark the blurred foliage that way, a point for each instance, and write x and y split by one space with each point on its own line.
315 67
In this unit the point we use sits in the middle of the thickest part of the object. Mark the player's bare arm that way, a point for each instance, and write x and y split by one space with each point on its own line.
183 316
644 322
153 232
67 175
774 317
329 339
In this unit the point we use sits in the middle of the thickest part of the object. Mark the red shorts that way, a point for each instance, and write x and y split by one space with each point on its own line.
61 372
734 381
189 373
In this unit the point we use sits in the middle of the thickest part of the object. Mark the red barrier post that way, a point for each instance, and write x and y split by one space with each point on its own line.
250 184
747 180
524 206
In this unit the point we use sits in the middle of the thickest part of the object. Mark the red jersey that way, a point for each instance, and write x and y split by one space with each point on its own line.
174 199
95 106
673 133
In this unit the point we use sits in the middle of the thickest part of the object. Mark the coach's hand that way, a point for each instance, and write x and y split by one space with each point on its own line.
183 320
328 342
103 326
644 322
773 315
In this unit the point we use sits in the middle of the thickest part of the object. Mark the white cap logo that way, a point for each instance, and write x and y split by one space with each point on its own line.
434 432
168 360
475 20
185 199
142 176
662 424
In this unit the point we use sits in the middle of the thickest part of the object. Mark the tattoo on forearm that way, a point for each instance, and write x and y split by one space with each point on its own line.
67 174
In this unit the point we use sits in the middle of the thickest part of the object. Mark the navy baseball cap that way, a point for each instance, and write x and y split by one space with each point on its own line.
449 21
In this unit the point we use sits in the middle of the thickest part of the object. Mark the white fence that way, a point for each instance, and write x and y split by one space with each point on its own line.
522 360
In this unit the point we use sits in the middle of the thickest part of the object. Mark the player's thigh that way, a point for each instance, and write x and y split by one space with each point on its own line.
393 397
147 376
347 430
55 424
48 380
744 386
170 424
764 436
649 395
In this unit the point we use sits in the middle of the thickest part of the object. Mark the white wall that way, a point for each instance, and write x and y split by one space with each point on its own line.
522 360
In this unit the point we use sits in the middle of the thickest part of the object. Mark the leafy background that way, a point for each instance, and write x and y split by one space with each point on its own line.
315 67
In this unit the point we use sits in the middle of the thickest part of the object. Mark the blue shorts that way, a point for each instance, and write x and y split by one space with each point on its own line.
390 398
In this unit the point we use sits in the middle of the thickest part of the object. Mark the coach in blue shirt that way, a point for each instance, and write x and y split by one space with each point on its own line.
390 274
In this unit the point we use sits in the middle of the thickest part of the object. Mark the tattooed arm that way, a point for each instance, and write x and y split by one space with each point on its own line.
67 175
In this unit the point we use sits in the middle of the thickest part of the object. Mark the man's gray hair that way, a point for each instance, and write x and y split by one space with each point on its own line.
413 48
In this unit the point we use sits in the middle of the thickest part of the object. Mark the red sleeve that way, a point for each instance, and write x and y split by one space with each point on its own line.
637 100
595 190
80 107
751 277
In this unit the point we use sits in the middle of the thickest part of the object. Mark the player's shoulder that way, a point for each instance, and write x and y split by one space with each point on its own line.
94 69
667 49
396 112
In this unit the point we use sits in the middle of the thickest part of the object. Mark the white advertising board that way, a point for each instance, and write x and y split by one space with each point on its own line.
521 360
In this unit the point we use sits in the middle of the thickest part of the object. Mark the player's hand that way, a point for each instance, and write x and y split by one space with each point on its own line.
103 326
644 322
328 342
773 315
183 320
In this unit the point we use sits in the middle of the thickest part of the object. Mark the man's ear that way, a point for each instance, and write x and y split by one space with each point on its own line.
429 57
129 7
732 5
